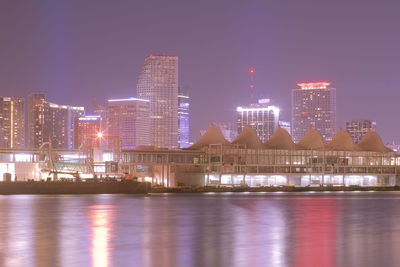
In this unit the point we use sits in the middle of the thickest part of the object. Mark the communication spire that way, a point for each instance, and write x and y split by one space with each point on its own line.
252 72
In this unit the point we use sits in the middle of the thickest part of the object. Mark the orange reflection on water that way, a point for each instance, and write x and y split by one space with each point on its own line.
101 225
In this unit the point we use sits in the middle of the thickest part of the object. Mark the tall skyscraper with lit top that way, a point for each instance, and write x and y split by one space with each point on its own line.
158 83
314 105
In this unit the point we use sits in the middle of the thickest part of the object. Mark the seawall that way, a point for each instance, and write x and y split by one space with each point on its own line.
66 187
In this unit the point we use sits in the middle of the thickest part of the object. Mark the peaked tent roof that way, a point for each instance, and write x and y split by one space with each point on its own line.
280 140
372 142
249 137
342 141
213 135
311 140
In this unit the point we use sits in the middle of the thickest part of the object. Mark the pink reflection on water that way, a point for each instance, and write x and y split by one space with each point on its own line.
316 231
101 225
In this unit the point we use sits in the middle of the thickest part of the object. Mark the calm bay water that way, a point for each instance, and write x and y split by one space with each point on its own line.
237 229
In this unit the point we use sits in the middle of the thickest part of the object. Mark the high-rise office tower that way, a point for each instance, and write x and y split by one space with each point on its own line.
358 128
59 124
183 119
49 122
12 122
262 117
36 103
87 129
158 83
129 120
314 105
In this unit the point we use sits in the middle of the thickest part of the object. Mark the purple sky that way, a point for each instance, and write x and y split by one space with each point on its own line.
75 50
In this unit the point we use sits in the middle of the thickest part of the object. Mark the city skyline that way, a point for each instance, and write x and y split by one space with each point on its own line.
359 56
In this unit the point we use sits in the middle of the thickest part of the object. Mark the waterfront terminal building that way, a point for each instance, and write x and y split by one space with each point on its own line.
213 161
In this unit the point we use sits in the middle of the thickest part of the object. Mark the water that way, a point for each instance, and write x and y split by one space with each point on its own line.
237 229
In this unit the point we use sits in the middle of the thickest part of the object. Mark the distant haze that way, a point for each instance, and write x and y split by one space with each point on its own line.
76 51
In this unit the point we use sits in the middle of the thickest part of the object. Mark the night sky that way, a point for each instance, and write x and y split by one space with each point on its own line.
78 50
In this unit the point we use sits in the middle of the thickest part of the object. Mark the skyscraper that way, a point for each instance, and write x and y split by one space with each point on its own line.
50 122
158 83
314 105
358 128
12 122
183 119
59 124
129 119
262 117
86 129
36 103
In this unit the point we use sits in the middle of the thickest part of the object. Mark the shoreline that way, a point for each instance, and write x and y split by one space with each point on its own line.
133 187
73 187
287 189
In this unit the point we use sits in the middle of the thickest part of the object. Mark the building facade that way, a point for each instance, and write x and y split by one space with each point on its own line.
183 119
86 129
129 120
262 117
59 124
50 122
358 128
36 105
314 105
12 122
158 83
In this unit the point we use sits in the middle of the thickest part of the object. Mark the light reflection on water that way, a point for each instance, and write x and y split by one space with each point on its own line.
297 229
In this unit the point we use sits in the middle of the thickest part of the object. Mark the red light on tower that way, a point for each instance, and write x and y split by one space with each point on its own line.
252 71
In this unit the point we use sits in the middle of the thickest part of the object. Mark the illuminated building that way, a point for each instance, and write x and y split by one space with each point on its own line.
36 103
183 120
129 119
213 161
358 128
158 82
262 117
314 105
50 122
12 122
87 128
100 110
59 124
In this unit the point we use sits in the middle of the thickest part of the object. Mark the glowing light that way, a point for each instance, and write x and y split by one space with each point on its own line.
99 135
313 85
128 99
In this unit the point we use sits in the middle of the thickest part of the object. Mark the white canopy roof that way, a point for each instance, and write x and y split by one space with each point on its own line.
280 140
372 142
311 140
249 138
342 141
213 135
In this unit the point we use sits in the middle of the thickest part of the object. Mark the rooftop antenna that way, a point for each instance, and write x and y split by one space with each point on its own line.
252 72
